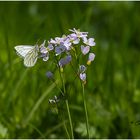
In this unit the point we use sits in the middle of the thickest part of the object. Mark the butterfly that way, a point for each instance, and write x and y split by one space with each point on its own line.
28 53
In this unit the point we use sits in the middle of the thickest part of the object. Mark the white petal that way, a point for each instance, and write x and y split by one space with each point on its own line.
85 50
45 58
91 56
84 40
43 50
91 42
76 41
83 76
50 47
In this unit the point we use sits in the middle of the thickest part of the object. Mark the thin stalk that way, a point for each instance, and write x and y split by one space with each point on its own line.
61 116
63 93
37 130
53 81
71 127
85 105
67 104
55 128
66 130
85 108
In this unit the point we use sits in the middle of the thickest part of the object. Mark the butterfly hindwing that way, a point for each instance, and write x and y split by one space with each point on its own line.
31 58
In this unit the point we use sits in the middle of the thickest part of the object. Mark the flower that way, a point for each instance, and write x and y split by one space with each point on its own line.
42 47
90 58
59 49
49 74
63 49
65 60
67 44
50 47
73 38
84 49
78 33
83 76
82 68
58 40
43 50
89 42
46 58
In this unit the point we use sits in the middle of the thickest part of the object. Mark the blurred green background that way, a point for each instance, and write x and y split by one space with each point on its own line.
112 90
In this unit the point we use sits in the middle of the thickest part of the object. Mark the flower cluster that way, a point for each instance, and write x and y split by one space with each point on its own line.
68 49
64 49
63 46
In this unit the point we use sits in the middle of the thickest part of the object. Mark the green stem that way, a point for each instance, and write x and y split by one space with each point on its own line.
61 113
61 116
85 107
63 93
67 104
71 127
66 130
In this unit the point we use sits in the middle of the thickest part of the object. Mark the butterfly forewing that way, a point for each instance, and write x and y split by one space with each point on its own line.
28 53
23 50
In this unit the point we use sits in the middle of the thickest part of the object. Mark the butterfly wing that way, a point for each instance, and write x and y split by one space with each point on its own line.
23 50
31 57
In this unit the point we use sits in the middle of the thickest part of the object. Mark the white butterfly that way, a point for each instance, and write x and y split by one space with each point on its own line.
28 53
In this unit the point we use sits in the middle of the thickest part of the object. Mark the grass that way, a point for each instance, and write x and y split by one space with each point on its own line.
112 90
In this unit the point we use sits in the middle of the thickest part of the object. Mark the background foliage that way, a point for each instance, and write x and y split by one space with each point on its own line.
112 90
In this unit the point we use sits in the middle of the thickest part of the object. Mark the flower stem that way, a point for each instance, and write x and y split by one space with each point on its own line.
70 121
85 108
68 110
65 127
67 104
66 130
